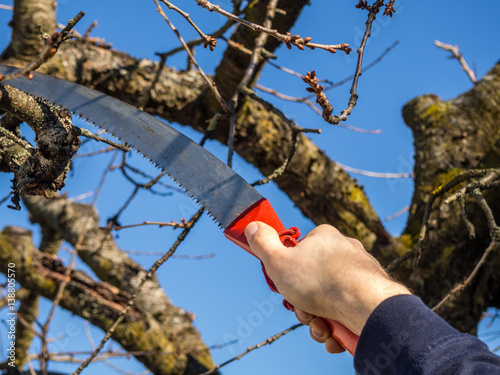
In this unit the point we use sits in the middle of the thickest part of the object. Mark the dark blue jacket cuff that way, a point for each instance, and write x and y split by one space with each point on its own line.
403 336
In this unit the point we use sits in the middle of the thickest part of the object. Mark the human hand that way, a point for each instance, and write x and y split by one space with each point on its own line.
326 274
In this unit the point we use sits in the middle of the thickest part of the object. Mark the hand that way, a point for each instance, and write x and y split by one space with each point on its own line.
326 274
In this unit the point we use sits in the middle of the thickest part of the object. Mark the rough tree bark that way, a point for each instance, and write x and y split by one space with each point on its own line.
450 136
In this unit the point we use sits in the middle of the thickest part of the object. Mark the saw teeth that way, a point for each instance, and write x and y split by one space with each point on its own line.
84 118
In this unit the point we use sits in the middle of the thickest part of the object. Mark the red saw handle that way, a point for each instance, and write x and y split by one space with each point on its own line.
263 211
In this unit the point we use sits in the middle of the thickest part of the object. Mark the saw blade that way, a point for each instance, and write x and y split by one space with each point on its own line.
205 178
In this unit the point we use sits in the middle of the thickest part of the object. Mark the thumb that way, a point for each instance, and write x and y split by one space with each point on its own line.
263 239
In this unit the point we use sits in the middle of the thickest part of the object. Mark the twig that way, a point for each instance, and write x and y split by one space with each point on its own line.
98 152
173 224
455 53
216 34
92 26
177 256
396 214
153 181
103 178
55 303
312 81
465 218
208 41
365 69
280 170
89 134
297 74
146 277
210 83
287 38
375 174
270 340
265 54
65 32
52 43
6 7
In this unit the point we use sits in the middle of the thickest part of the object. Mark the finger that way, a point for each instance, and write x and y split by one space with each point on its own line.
263 239
303 317
318 330
333 347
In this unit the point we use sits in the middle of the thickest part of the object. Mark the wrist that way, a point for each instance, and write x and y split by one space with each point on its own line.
367 301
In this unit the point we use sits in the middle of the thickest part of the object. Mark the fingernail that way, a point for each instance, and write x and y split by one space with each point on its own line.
250 230
316 334
302 314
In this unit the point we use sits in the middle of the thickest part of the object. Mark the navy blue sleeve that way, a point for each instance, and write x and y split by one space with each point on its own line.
403 336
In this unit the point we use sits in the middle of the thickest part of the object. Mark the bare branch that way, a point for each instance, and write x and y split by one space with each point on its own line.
270 340
396 214
312 81
52 44
375 174
219 98
208 41
287 38
90 135
280 170
455 53
173 224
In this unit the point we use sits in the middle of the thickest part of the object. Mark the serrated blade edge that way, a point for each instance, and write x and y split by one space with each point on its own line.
212 183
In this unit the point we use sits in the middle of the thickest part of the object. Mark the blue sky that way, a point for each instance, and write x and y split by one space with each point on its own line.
227 292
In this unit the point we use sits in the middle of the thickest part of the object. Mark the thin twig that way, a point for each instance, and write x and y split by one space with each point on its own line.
311 105
311 79
287 38
94 153
103 178
208 41
146 277
88 134
270 340
365 69
52 43
265 54
174 224
92 26
375 174
465 218
216 34
280 170
396 214
455 53
210 83
55 303
177 256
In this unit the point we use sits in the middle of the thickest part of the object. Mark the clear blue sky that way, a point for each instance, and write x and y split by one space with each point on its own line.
227 293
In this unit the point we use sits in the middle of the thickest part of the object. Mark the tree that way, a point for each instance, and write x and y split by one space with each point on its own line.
456 160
